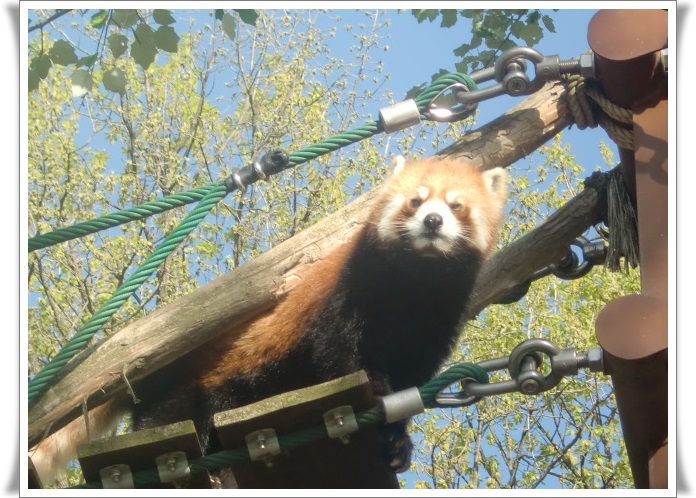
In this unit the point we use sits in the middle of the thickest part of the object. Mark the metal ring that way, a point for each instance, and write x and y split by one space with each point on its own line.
259 170
238 181
533 347
522 53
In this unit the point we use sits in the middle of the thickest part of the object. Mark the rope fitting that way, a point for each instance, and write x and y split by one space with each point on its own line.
402 405
399 116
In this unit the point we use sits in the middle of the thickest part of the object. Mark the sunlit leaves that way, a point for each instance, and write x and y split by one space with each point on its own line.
123 29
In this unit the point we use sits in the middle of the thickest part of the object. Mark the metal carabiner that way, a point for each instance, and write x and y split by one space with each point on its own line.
453 113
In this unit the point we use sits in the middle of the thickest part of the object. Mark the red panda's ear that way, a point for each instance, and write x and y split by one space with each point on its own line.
497 182
398 164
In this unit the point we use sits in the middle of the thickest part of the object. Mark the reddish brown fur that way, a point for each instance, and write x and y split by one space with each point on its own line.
271 335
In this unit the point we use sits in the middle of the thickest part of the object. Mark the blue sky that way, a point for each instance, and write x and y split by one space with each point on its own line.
411 60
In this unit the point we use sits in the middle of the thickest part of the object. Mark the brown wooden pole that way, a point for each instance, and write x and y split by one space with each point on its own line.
633 329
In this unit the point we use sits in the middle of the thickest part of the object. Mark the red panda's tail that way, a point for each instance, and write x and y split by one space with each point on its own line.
52 455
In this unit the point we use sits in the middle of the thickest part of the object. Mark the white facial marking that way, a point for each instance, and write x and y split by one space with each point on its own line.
478 235
386 230
423 193
451 196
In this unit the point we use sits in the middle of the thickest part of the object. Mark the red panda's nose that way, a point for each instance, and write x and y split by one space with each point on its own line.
433 222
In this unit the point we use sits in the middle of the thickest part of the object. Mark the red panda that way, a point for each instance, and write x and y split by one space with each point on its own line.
390 301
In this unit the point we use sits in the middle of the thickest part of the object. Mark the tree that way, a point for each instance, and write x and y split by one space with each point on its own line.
161 123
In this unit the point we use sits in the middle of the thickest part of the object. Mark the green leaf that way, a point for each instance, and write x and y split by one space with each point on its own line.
144 34
143 54
81 80
548 23
118 44
115 80
163 17
531 34
423 14
62 53
166 39
449 18
125 18
248 16
219 13
143 49
41 64
229 25
33 80
99 19
87 61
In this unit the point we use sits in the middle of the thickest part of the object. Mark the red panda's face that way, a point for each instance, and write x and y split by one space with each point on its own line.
440 207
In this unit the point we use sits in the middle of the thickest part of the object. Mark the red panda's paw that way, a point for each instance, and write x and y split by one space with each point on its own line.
397 446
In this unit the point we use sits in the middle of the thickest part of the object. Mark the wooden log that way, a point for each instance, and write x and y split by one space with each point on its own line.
219 306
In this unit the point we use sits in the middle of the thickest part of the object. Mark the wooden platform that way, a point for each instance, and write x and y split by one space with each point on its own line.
327 463
140 449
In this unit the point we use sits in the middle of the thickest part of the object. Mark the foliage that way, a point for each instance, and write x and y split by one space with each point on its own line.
493 31
143 107
114 27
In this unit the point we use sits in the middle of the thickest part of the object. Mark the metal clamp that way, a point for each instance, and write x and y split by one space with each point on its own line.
118 476
402 405
340 422
571 266
263 445
510 75
523 365
172 466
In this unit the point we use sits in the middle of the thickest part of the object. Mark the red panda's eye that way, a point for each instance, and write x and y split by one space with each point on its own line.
416 202
455 206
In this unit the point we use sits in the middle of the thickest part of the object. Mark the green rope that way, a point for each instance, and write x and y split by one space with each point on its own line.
453 374
210 196
118 218
142 211
38 384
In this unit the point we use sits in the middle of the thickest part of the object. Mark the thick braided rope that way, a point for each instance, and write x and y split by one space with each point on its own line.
118 218
40 382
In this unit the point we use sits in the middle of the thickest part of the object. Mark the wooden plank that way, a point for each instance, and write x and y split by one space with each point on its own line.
140 449
327 463
34 481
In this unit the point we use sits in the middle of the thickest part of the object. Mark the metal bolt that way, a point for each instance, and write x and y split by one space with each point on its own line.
338 418
587 66
663 59
171 463
595 360
261 441
116 474
529 386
